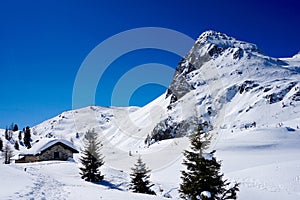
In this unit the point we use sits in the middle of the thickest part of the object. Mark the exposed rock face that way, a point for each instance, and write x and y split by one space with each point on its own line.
208 46
169 128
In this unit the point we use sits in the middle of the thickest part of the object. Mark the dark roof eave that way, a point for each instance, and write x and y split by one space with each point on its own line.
29 154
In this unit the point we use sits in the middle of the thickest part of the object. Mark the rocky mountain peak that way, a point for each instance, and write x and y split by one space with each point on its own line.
213 38
210 46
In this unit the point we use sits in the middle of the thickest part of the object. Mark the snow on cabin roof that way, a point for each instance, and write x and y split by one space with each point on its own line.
43 144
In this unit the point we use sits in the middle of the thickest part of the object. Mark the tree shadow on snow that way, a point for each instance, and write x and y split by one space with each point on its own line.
110 185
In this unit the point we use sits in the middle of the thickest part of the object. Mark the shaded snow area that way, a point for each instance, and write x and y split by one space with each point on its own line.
248 101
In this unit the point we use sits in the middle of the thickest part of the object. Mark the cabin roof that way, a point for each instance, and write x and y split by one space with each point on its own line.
44 144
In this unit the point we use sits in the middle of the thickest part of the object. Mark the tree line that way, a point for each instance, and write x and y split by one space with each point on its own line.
201 180
24 139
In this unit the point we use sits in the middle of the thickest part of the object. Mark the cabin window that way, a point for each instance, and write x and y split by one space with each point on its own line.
56 155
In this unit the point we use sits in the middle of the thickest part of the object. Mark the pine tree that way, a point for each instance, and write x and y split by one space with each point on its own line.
1 144
91 159
16 128
140 179
203 175
6 134
17 146
27 137
8 154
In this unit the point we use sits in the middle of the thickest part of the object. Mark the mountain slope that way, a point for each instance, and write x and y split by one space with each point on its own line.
222 83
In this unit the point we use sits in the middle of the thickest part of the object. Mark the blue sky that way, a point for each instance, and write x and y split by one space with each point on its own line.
43 44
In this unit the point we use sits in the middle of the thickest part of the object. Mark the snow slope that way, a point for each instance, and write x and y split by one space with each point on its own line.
249 101
265 161
58 180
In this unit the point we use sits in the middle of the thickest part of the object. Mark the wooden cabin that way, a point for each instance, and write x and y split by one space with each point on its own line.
45 150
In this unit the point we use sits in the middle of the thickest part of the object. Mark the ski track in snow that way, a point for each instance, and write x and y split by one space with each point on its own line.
45 187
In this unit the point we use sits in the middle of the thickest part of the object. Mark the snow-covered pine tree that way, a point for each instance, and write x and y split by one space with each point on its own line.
8 134
1 144
202 174
140 178
92 158
8 154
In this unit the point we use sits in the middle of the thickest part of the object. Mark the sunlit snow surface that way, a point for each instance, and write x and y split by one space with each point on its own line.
265 162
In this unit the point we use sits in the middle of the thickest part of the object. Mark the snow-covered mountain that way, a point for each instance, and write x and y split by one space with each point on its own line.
223 83
231 85
249 101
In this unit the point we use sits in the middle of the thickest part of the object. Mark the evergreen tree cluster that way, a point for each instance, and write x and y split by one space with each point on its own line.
202 179
92 160
6 149
9 131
